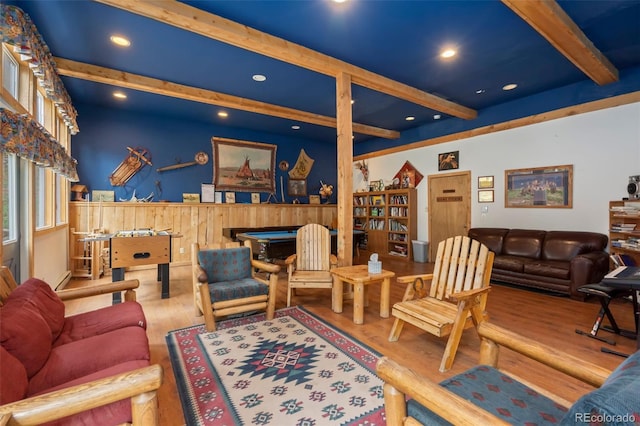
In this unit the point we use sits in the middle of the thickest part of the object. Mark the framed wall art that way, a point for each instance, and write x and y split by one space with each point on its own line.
243 166
539 187
449 160
485 196
297 187
485 182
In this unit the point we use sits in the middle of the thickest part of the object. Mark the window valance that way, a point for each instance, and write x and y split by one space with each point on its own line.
18 30
21 135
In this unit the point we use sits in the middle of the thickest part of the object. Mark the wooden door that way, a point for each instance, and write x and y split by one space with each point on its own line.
449 207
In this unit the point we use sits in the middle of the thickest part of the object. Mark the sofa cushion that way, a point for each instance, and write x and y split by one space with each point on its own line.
509 263
101 321
237 289
117 413
524 242
42 297
13 378
25 334
493 238
226 264
90 355
498 394
565 245
549 268
616 400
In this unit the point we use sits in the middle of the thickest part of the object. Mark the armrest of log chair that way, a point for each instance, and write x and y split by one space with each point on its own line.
139 385
410 291
128 286
401 382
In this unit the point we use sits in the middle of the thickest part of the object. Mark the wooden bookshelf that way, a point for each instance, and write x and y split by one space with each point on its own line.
389 220
624 230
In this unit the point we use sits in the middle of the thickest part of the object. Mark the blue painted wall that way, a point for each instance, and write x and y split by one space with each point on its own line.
101 145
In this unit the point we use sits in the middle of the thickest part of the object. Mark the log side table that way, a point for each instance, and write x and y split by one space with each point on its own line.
359 276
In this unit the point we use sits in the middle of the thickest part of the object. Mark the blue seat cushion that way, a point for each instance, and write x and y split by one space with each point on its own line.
498 394
226 264
236 289
616 402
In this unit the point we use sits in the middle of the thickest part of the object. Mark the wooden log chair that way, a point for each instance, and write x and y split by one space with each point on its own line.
310 265
228 281
488 395
456 298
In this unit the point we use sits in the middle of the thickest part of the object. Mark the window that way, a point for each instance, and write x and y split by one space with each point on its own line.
10 199
39 115
10 74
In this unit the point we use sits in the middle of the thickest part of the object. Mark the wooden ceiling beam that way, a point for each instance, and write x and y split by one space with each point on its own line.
215 27
113 77
548 19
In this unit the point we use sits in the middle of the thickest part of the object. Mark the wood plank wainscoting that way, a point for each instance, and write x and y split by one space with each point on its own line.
198 222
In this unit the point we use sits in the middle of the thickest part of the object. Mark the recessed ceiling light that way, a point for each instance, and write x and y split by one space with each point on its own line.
437 116
510 86
448 53
480 91
223 114
119 95
295 127
339 1
410 118
259 77
120 41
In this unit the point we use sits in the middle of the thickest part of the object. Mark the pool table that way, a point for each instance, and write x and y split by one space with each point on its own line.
271 245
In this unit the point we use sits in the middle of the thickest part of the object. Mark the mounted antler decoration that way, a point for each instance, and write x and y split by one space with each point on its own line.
364 168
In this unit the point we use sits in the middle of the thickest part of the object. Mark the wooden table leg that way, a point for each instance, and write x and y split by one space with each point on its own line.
336 295
385 289
358 303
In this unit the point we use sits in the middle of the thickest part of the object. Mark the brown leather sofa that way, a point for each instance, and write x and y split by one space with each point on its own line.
555 261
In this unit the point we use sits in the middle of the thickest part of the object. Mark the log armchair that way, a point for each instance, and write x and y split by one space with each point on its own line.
488 395
228 281
454 300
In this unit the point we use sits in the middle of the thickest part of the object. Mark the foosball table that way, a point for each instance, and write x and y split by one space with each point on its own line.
137 248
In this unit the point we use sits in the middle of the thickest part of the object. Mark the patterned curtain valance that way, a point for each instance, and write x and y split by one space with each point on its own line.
18 30
26 138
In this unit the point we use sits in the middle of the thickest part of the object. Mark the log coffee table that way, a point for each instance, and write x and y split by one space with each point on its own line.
359 276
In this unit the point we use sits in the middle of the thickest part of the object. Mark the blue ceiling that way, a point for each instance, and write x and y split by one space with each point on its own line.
393 38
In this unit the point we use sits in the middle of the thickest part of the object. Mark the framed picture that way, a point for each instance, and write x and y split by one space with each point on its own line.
408 176
255 197
230 197
539 187
314 199
485 182
190 198
297 187
485 196
449 160
243 166
99 195
208 191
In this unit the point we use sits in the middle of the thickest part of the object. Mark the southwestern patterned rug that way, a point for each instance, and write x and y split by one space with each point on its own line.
293 370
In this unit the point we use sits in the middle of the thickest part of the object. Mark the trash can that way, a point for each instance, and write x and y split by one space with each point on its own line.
419 251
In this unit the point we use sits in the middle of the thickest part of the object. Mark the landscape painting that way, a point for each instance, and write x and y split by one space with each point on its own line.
243 166
539 187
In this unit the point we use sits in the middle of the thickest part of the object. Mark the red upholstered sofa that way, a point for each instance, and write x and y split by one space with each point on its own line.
555 261
88 365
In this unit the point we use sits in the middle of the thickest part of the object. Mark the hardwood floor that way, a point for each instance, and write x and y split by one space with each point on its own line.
545 318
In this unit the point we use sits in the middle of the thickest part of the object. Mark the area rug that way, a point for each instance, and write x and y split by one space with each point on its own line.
293 370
